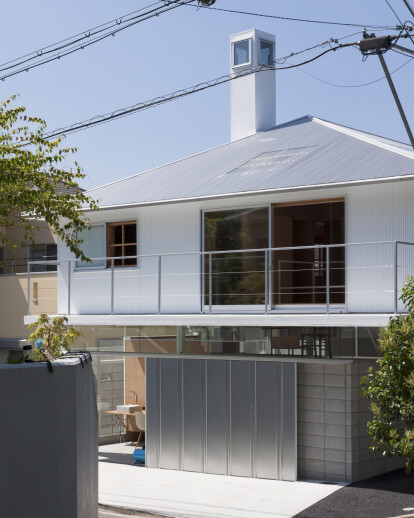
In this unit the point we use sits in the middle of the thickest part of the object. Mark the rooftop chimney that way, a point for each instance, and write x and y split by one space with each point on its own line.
253 98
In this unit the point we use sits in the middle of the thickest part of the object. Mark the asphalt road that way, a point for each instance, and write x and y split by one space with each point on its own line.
378 497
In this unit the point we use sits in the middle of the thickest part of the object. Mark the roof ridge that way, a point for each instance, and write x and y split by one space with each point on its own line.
369 138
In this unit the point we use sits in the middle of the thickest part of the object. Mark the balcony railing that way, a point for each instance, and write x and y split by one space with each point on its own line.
21 265
340 278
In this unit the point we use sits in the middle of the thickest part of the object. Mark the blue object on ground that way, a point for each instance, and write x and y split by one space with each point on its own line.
139 455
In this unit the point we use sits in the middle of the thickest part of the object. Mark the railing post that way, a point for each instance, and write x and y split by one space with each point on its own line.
112 284
395 277
328 283
210 282
159 284
28 289
266 281
69 283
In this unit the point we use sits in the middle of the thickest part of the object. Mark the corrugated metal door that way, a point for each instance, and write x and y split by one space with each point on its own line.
229 417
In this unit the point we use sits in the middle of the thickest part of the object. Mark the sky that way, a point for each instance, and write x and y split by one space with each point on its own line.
180 49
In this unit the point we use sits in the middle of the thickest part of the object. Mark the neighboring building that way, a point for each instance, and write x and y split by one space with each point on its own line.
238 292
18 298
14 285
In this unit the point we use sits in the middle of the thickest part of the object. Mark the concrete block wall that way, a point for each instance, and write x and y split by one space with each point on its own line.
333 442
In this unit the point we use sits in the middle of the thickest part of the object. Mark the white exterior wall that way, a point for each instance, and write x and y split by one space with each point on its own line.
376 212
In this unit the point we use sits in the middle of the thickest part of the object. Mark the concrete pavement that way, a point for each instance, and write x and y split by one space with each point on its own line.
195 495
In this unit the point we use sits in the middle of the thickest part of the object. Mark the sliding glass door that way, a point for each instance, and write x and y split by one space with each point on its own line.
237 278
305 275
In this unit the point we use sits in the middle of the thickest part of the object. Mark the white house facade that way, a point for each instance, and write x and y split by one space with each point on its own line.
238 293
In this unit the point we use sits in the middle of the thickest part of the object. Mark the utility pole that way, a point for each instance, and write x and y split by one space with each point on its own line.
409 7
379 45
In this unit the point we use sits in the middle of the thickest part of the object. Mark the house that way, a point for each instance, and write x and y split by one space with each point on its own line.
238 293
26 289
42 296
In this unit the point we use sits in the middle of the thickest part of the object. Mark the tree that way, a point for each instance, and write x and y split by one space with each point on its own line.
51 337
32 184
390 387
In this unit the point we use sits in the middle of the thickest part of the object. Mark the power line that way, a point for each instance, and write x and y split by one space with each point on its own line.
101 119
79 43
367 26
40 50
392 9
361 84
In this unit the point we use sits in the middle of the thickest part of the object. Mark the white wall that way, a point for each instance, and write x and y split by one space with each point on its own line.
373 213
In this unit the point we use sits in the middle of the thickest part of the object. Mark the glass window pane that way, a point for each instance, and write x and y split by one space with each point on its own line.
368 342
93 246
300 275
266 53
241 53
131 233
237 278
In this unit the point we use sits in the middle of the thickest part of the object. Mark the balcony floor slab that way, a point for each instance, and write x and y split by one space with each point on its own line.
231 319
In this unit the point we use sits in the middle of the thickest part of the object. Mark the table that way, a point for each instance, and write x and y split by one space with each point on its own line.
123 419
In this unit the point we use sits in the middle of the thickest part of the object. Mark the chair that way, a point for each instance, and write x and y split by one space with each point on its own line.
140 423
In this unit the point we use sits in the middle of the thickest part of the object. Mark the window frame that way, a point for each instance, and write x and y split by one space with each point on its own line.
81 266
111 224
233 61
259 51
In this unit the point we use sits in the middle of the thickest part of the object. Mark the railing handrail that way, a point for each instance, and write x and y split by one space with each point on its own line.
216 252
109 264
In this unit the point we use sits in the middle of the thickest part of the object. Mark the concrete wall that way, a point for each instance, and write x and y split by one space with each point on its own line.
48 446
333 442
373 213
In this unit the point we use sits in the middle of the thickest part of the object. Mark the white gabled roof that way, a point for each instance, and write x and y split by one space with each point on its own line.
301 154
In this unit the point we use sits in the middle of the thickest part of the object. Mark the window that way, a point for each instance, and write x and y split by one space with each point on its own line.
241 53
93 246
239 277
267 53
300 275
44 252
121 242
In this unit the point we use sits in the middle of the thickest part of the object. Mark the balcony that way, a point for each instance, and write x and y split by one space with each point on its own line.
352 278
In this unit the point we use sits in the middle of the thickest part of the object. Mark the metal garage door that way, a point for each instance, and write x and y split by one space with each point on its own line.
229 417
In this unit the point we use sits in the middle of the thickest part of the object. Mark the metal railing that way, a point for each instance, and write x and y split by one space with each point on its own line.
21 265
366 278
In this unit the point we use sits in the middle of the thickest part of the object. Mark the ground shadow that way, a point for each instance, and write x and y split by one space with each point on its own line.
378 497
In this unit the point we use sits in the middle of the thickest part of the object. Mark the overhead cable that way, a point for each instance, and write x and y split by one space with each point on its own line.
325 22
52 53
360 85
179 94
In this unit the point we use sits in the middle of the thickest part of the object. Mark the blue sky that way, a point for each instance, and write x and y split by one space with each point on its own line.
182 48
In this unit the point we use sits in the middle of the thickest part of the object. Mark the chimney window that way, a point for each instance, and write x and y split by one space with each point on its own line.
267 53
241 53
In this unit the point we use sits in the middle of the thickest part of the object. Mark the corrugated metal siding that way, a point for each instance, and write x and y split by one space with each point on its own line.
373 213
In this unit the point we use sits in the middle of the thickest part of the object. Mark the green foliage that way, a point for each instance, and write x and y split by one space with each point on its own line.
390 387
32 184
22 359
55 335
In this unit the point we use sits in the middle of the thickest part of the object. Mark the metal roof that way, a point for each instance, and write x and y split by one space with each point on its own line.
307 152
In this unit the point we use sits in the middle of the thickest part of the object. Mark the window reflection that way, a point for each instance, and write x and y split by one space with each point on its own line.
241 50
266 53
237 278
300 276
